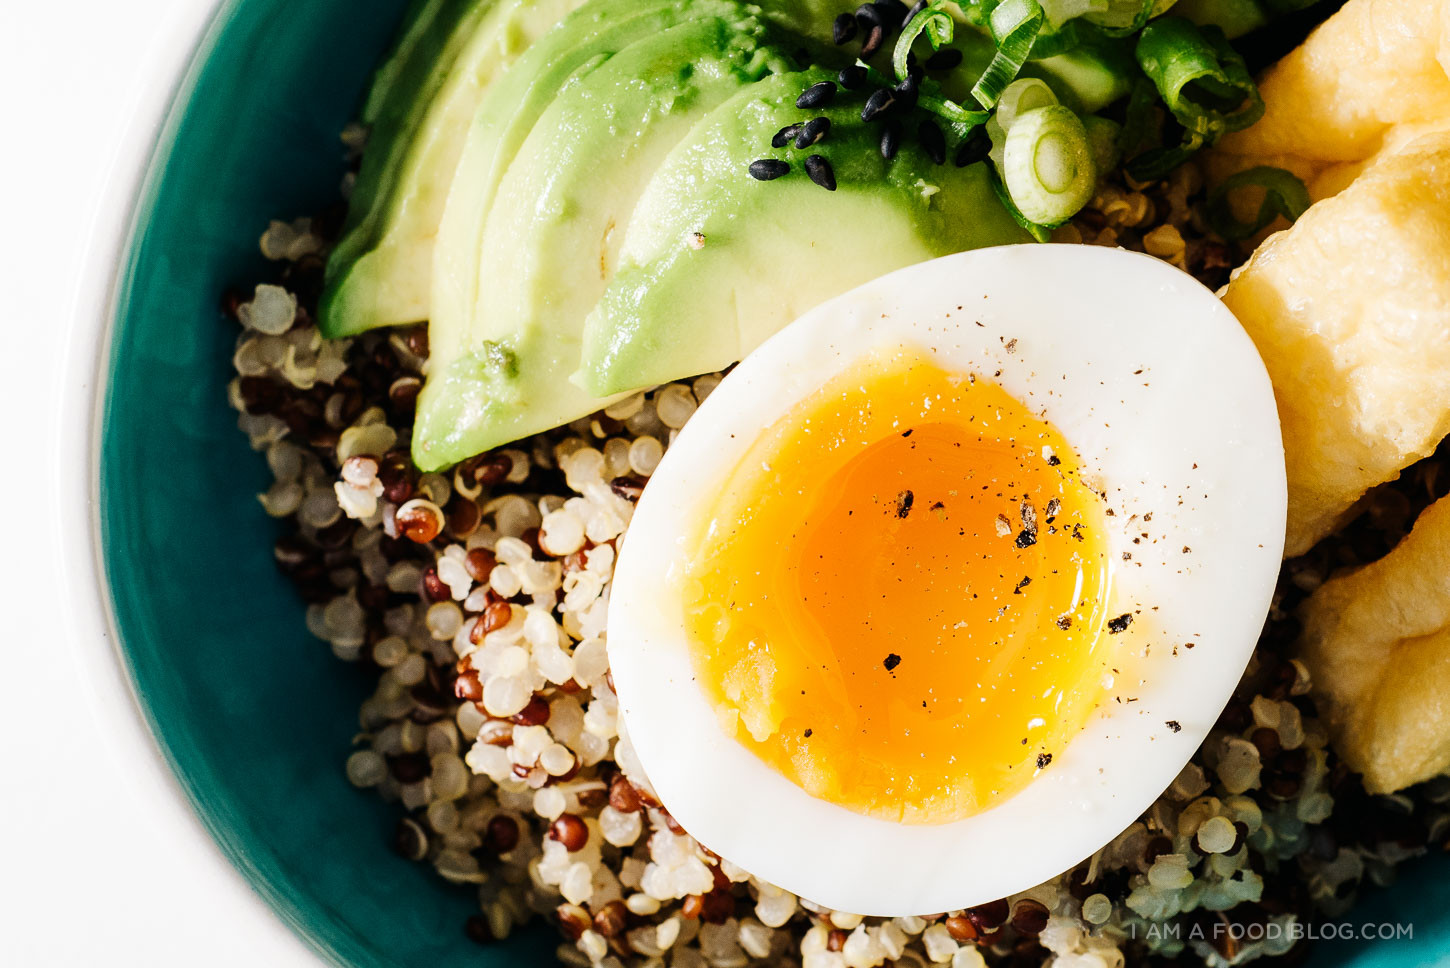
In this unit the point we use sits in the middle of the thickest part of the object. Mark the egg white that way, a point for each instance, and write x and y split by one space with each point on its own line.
1168 405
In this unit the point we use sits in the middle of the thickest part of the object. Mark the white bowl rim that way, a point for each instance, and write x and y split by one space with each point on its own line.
89 617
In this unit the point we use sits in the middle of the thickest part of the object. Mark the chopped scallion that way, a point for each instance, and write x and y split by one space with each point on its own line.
1201 78
1048 166
1284 194
1014 25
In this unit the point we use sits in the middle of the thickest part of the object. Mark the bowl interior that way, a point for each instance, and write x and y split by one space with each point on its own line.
254 714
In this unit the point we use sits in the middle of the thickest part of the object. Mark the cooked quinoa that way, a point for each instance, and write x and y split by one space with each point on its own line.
479 599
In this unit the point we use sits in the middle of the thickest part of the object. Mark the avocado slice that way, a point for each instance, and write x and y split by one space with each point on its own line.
550 241
379 272
425 28
583 41
714 262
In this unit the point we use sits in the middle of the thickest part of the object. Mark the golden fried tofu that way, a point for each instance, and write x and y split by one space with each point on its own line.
1350 309
1377 644
1373 66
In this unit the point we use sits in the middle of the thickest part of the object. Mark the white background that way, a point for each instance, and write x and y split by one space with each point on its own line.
99 862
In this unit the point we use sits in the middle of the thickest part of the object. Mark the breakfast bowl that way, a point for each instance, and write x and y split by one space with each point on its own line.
251 713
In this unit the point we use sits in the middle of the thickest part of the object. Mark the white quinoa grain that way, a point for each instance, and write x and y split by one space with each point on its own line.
505 695
1238 765
626 408
444 619
1097 909
550 802
344 620
449 776
620 829
561 533
556 759
642 904
504 581
366 768
675 404
389 651
271 310
644 455
940 946
411 670
775 909
1170 872
577 883
968 956
319 509
1217 835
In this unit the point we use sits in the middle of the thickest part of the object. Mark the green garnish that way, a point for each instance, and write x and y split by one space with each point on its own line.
1284 194
1203 83
1048 166
1014 25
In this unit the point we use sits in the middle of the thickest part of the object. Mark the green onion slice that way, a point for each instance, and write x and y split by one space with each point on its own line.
1048 166
1284 194
1021 96
1201 78
1015 25
935 21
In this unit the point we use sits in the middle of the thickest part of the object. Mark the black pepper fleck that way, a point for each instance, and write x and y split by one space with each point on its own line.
903 503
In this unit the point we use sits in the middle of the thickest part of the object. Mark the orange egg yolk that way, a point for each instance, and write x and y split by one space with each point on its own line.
898 598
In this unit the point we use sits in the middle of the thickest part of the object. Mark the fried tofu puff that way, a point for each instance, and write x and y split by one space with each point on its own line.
1372 78
1377 644
1350 309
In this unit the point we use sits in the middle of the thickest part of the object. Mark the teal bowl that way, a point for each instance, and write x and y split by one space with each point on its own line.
254 716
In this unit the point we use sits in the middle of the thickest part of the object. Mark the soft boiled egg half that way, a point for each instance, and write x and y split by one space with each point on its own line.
944 584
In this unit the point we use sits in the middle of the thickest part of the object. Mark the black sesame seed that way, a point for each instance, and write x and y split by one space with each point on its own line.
933 142
874 38
868 15
851 77
817 95
820 172
892 11
812 132
909 88
878 104
890 139
843 29
767 169
974 148
945 59
785 136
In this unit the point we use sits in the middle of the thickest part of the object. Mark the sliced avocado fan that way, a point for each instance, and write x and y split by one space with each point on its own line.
423 98
714 262
584 40
499 370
